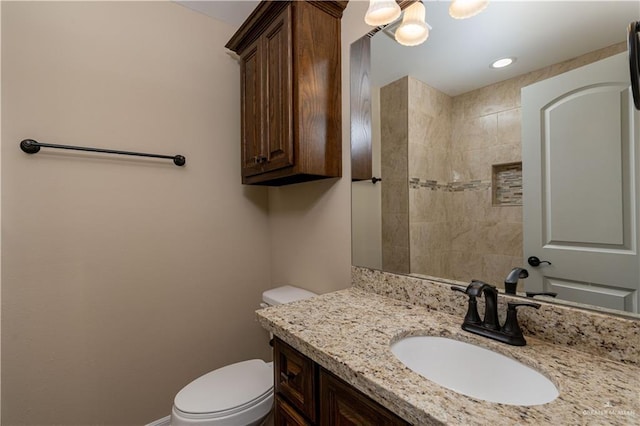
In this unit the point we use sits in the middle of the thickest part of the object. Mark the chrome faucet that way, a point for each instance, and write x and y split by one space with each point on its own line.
510 333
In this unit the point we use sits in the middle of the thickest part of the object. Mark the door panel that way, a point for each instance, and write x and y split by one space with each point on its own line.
251 110
606 297
278 97
585 168
579 141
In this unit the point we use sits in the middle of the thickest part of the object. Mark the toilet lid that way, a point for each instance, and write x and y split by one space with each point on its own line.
227 388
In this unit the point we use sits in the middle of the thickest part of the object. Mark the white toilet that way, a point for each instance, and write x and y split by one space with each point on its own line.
239 394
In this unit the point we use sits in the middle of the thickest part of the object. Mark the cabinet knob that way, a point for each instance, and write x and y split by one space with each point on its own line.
259 159
286 376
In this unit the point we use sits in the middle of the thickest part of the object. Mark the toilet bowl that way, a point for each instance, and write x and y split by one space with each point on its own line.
239 394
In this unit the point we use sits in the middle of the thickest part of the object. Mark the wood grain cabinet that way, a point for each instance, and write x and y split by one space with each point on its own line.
308 395
296 378
291 108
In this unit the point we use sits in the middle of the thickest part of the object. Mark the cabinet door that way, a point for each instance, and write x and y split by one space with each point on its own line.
251 105
341 404
286 415
278 136
295 378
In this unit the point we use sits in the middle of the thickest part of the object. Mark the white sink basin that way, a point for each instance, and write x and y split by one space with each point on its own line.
474 371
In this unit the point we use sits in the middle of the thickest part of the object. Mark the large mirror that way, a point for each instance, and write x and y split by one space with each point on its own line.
484 168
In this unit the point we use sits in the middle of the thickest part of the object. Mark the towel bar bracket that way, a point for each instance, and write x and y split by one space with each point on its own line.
28 146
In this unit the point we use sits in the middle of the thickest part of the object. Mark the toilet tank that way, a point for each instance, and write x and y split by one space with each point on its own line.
285 294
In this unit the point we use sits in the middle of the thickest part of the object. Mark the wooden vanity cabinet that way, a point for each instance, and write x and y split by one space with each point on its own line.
291 108
296 379
341 404
286 415
306 394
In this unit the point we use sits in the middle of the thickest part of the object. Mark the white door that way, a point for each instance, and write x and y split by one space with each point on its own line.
580 175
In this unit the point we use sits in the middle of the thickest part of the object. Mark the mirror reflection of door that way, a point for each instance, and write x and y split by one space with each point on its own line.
580 175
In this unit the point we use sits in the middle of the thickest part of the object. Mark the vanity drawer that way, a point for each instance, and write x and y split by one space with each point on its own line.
286 415
295 379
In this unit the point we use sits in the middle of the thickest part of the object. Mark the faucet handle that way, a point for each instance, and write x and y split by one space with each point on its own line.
472 315
514 305
458 288
511 327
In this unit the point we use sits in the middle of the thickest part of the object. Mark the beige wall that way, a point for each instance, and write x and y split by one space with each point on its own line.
123 279
0 216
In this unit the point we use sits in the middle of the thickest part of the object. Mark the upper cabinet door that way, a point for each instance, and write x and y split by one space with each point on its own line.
278 91
361 135
251 104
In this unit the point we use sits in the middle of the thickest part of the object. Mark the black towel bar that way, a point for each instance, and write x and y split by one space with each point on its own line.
31 146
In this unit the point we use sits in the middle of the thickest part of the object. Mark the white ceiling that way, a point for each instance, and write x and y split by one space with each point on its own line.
456 56
231 12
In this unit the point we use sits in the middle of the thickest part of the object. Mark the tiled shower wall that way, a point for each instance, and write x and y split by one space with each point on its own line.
437 197
394 130
486 240
429 125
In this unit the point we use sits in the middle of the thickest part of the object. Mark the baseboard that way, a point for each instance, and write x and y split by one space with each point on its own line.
165 421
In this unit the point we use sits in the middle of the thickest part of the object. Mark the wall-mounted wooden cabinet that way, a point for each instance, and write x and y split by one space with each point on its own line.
290 92
360 101
307 395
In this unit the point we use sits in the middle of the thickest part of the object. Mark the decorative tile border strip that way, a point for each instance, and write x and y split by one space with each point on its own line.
434 185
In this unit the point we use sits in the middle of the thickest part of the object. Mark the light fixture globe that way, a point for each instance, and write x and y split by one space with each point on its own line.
463 9
382 12
413 30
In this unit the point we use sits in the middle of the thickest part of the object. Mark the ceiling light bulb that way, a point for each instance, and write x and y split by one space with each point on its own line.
413 30
504 62
382 12
462 9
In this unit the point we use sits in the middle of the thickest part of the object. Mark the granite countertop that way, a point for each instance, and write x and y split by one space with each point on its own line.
348 332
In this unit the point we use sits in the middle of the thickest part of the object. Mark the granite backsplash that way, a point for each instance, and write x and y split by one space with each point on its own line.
608 336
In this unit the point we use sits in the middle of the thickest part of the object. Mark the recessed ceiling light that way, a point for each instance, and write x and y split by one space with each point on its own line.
504 62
